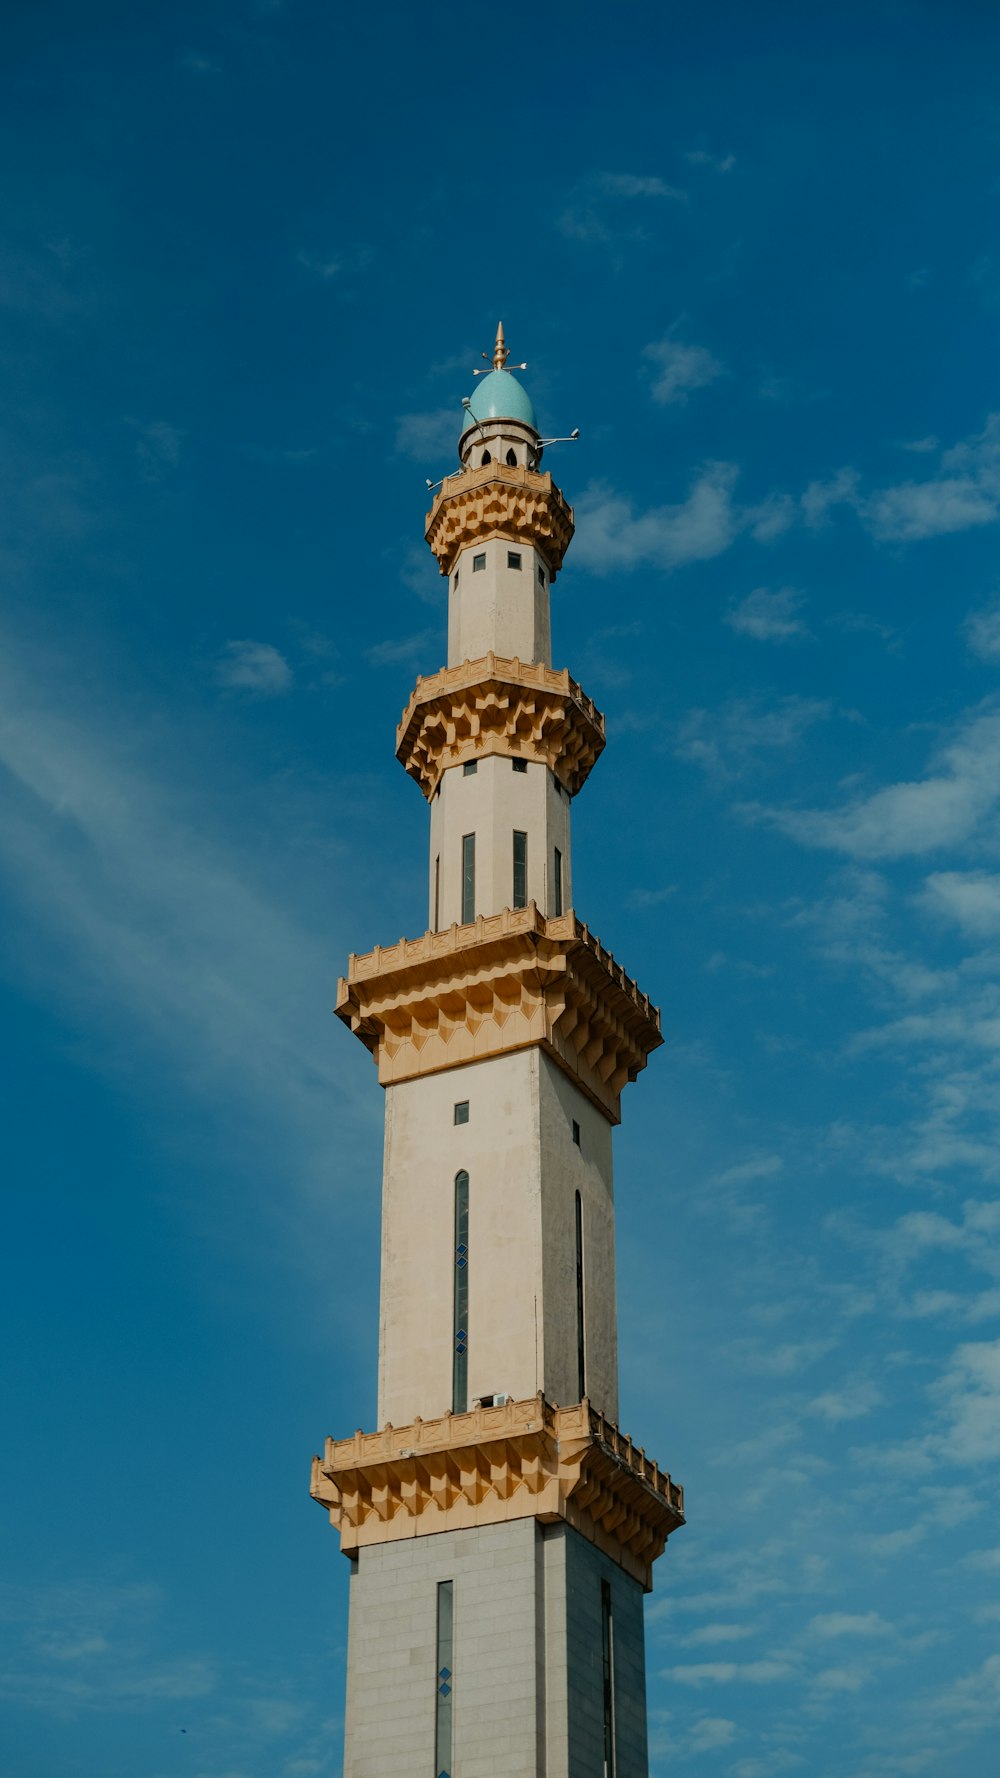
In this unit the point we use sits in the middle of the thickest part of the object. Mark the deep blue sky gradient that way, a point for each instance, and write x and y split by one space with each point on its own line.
249 256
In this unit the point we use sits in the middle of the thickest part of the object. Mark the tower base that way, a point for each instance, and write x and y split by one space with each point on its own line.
545 1664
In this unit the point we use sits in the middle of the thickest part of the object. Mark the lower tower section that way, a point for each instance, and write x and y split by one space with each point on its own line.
499 1559
513 1651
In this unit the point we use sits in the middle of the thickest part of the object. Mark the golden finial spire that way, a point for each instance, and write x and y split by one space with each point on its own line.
501 353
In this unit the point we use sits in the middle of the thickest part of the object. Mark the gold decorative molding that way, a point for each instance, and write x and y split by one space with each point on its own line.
500 500
503 983
525 1459
520 709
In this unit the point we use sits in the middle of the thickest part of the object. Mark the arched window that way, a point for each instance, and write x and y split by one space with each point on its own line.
460 1358
512 459
486 458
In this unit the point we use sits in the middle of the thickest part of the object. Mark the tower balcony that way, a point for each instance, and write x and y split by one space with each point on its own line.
520 709
500 500
521 1459
502 983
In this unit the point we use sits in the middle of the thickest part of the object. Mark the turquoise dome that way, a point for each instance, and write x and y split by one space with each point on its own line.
499 396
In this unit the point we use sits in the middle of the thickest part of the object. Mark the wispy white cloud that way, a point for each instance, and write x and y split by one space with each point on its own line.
158 449
769 616
982 631
828 1624
968 899
710 1733
601 206
637 185
680 369
400 650
715 163
730 1673
333 266
966 493
908 819
734 738
255 667
427 436
849 1403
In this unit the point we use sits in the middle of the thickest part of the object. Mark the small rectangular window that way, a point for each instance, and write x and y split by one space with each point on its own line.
470 768
576 1133
557 883
513 558
541 575
520 765
462 1111
520 870
437 893
478 563
468 878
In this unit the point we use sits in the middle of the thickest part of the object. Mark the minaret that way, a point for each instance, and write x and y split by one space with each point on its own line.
501 1529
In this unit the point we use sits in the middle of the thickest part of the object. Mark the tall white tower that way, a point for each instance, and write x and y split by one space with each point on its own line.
501 1529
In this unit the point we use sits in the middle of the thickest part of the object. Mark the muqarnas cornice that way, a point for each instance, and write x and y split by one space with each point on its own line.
499 500
505 982
521 1459
520 709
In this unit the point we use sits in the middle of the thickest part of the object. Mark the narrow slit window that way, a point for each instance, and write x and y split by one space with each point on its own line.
541 575
460 1357
608 1651
520 870
468 878
445 1677
437 893
455 583
513 558
581 1355
557 890
576 1133
479 563
470 768
461 1111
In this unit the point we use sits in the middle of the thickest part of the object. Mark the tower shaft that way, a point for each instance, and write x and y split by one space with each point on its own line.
501 1529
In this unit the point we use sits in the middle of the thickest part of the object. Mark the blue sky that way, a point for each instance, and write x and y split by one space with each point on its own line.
249 256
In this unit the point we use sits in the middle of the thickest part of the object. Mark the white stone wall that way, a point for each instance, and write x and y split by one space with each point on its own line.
527 1698
498 607
524 1171
491 802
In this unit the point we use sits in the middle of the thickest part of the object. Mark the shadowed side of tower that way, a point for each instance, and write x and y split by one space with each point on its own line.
501 1528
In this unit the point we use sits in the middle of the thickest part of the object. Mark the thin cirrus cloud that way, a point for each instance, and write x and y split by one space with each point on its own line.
769 616
680 369
256 667
158 919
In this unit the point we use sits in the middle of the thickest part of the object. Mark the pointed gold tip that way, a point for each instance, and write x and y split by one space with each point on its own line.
500 352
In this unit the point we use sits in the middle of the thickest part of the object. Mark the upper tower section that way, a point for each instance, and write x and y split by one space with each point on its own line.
499 526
